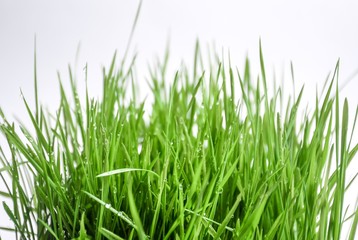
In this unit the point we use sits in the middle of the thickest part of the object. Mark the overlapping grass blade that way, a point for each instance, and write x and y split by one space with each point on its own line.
205 162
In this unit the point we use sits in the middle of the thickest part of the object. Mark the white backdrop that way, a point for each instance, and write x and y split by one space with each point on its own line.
313 35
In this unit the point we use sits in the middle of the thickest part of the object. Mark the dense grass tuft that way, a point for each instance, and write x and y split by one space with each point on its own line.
210 162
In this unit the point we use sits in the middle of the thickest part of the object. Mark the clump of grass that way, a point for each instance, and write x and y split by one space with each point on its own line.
209 163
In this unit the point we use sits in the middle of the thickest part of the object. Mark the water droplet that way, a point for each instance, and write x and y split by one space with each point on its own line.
108 205
181 120
219 191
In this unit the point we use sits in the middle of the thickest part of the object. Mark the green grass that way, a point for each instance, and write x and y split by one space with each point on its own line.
213 162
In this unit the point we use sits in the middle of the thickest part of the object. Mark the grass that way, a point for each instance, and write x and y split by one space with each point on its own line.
210 162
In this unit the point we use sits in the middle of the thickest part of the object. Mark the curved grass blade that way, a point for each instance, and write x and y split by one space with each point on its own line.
125 170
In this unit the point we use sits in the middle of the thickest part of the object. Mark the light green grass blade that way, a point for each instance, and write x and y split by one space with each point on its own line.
110 235
125 170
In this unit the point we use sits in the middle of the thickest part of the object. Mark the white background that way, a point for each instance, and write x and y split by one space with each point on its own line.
313 35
